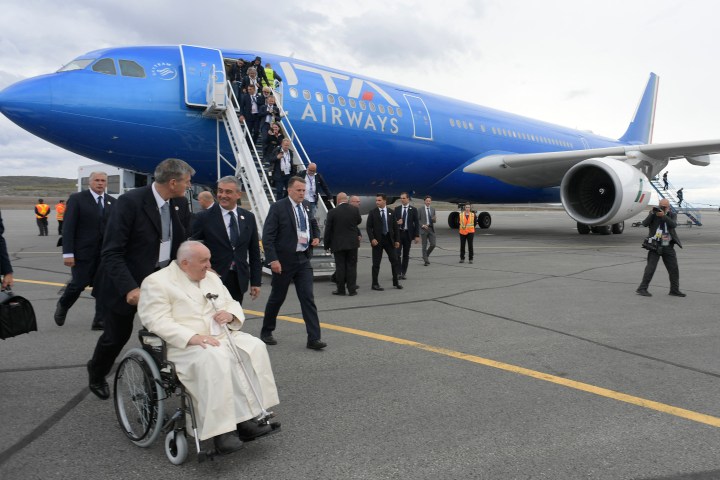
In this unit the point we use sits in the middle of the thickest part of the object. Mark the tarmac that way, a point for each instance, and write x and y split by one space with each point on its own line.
538 361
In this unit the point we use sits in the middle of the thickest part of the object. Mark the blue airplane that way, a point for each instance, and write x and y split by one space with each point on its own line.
132 107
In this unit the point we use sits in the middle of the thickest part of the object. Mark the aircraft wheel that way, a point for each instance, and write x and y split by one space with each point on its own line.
454 220
583 229
484 220
618 228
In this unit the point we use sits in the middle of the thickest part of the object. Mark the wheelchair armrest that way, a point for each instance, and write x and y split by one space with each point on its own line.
154 345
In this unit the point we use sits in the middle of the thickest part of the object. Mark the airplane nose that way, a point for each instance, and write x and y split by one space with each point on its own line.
28 102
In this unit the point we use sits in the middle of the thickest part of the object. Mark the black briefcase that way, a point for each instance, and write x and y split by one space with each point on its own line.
17 315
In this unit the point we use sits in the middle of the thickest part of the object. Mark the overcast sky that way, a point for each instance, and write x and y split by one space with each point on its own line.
577 63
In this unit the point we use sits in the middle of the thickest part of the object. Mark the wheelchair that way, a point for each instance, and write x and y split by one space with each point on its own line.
144 380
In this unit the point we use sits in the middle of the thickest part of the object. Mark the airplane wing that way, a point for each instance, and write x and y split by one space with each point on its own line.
539 170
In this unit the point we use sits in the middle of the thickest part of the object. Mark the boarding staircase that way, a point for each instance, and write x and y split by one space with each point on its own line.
680 208
223 106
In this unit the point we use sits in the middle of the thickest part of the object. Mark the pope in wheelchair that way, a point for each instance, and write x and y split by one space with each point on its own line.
189 308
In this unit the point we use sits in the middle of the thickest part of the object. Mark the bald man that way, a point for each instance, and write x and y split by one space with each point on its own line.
341 237
314 182
205 199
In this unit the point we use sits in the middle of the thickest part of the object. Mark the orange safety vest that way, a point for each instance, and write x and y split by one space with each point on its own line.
468 227
60 211
42 209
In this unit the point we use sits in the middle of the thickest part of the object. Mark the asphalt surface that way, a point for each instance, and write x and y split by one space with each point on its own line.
538 361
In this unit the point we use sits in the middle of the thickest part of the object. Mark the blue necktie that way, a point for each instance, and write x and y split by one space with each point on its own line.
301 218
234 235
405 218
384 221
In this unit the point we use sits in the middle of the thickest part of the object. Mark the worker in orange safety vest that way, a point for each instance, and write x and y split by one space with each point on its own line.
60 214
42 211
467 232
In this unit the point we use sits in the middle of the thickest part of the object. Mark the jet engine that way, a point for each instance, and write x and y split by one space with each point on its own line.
604 191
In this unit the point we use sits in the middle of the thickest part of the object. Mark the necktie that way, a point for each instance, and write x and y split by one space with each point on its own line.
384 221
165 221
302 225
234 233
427 213
404 218
100 205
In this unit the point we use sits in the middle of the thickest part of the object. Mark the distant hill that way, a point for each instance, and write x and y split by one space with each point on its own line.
37 186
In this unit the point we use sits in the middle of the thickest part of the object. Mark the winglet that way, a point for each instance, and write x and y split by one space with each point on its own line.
640 129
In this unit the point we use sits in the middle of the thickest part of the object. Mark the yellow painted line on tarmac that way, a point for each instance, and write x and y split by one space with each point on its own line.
585 387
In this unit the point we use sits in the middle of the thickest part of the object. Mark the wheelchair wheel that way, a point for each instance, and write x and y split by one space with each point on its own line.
176 447
139 397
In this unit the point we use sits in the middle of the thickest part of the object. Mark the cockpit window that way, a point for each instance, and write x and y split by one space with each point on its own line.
77 64
128 68
106 66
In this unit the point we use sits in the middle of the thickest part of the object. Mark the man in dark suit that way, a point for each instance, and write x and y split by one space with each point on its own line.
661 223
144 230
289 234
282 168
341 236
427 218
6 270
231 235
250 104
314 182
383 233
409 226
83 229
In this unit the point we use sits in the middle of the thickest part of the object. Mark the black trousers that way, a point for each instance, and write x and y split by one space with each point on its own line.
300 273
118 329
83 274
404 250
42 224
377 252
469 240
670 260
231 282
346 269
60 227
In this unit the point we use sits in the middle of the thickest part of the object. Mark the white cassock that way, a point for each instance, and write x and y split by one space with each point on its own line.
175 308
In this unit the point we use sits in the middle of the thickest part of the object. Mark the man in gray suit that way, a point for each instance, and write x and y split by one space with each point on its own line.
341 236
427 230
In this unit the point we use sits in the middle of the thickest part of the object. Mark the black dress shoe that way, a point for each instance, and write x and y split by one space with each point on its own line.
269 340
60 314
677 294
249 430
643 292
398 286
97 326
316 344
378 288
352 294
227 443
99 387
338 292
402 277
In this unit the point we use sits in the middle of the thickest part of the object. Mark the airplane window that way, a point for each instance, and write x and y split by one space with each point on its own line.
381 108
362 104
341 101
106 66
293 92
391 111
128 68
372 106
452 122
504 132
514 134
482 128
353 104
465 126
331 99
319 96
494 131
306 94
77 64
471 126
399 112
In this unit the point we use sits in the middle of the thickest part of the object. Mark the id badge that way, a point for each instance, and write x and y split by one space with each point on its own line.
302 238
665 239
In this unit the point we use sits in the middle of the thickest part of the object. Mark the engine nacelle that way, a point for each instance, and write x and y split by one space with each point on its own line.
603 191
